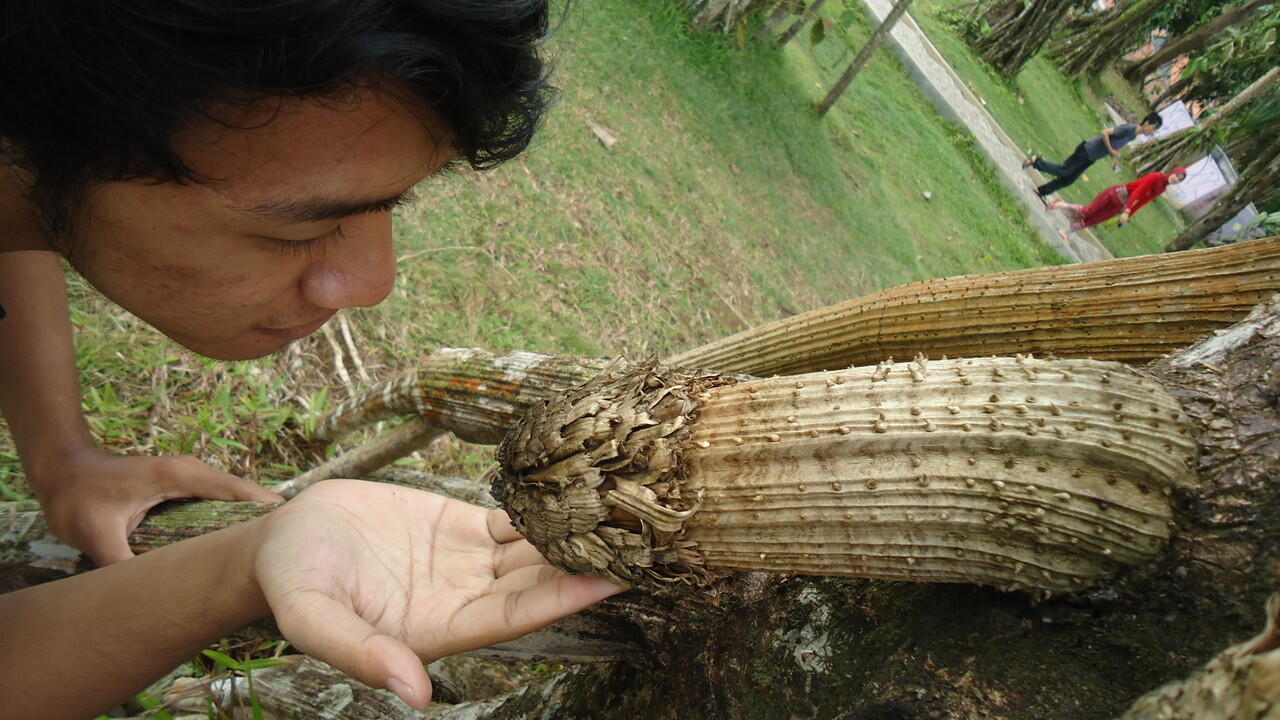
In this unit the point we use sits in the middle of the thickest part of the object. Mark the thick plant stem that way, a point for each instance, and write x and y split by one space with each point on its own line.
1130 310
1014 472
476 395
799 25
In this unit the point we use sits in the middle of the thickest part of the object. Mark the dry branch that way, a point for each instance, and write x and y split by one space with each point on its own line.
472 393
30 555
307 688
382 450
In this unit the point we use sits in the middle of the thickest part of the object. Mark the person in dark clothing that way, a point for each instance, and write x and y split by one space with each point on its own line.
1108 142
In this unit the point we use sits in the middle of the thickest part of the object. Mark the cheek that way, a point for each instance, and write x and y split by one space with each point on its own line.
163 277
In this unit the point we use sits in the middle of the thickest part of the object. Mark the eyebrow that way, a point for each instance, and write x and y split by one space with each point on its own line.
320 209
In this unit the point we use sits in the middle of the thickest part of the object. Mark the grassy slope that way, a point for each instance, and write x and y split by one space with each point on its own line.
724 189
1042 110
726 203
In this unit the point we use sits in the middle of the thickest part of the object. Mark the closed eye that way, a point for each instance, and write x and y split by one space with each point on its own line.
309 246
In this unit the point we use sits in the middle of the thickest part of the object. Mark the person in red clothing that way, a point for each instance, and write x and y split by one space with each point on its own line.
1123 200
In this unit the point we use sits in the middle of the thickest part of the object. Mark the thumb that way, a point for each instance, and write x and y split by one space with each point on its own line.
328 630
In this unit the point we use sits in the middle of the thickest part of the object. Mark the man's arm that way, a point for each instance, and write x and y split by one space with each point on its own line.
1106 142
371 578
92 499
76 647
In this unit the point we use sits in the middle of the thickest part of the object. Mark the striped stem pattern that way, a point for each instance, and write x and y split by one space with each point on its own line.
1129 310
1013 472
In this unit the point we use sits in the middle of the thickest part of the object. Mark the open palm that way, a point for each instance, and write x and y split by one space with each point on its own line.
374 579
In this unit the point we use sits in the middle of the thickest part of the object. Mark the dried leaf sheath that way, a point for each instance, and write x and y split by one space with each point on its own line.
473 393
1011 472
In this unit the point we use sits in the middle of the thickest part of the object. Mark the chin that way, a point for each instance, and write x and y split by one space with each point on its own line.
237 349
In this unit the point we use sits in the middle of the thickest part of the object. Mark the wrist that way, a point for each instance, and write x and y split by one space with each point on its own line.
51 463
240 572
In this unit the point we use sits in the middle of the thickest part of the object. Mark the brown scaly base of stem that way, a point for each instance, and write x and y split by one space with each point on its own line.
619 438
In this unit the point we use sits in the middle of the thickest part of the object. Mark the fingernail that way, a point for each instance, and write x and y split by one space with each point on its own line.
398 686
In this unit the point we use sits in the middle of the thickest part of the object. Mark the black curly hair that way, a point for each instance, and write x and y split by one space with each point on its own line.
94 90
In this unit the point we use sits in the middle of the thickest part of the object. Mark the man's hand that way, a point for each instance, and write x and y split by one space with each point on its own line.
93 500
376 579
1124 218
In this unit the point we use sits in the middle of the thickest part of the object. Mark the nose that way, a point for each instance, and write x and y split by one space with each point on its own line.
358 270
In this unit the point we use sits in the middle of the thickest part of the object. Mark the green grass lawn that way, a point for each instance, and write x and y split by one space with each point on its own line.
726 203
1046 113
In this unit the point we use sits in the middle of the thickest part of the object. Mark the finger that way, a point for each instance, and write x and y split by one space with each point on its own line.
539 597
515 555
328 630
500 527
195 479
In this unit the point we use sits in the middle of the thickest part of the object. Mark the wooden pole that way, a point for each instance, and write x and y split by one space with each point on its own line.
863 56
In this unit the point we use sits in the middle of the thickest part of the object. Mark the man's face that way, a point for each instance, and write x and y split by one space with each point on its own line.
1147 128
294 225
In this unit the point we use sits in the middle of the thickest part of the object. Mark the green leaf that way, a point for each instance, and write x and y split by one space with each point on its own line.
228 442
226 662
261 663
147 701
818 32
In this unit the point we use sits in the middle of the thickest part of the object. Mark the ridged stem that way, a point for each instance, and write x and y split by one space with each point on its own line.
1129 310
1013 472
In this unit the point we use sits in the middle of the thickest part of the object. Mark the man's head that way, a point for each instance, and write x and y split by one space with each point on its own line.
1177 175
226 170
1150 123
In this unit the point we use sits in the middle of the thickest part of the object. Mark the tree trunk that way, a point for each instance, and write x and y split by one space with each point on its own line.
798 25
780 13
726 13
1258 181
1174 91
1192 41
864 55
1182 146
1090 46
1016 36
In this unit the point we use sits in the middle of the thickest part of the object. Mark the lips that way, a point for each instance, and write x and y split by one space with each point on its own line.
295 332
